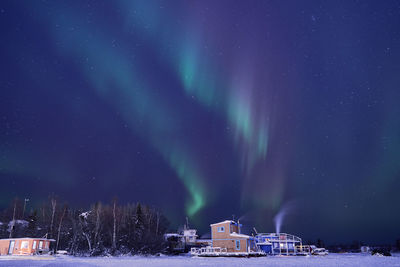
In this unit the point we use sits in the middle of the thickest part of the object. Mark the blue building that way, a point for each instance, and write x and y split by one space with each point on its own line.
281 244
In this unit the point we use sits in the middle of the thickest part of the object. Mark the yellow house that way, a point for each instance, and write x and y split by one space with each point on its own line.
227 235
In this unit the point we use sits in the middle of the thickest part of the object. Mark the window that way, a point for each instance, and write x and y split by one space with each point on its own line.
11 247
34 244
221 229
237 244
40 244
24 244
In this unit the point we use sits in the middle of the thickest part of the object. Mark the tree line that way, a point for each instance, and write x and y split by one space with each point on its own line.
104 229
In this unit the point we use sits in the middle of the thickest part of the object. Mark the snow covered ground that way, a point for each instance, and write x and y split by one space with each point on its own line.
330 260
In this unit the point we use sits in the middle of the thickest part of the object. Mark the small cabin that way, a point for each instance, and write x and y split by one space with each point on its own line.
227 235
24 246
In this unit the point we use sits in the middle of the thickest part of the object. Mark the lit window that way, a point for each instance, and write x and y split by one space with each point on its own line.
24 244
34 244
40 244
221 229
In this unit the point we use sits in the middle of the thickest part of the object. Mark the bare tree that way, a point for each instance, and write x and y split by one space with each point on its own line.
59 226
23 211
97 225
83 217
53 211
13 219
131 228
75 232
88 241
43 208
150 217
114 244
158 221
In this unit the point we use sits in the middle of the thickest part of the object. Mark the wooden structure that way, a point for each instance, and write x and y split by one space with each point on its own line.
227 241
227 235
25 246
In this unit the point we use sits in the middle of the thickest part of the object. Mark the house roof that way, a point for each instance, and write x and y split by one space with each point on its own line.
239 235
224 222
29 238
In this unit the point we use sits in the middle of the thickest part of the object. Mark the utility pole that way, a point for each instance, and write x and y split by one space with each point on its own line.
23 211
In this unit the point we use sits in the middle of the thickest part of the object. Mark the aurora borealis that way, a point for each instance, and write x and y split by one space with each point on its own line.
207 109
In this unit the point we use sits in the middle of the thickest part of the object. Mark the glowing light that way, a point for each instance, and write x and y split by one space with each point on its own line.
227 90
115 79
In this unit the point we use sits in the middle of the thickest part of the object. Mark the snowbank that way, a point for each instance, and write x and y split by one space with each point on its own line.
346 260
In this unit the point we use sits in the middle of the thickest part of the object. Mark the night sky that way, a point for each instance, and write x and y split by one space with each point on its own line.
207 109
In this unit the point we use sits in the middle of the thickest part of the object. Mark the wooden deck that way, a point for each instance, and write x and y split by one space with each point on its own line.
222 252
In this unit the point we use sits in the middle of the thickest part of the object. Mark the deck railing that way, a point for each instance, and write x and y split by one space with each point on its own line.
202 250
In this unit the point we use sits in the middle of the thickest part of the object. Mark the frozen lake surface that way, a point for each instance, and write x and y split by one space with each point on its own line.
330 260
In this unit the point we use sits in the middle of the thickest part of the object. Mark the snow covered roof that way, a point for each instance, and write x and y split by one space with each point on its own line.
172 234
204 241
239 235
274 237
35 238
224 222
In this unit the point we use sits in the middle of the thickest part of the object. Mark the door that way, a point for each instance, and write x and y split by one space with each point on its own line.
11 247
